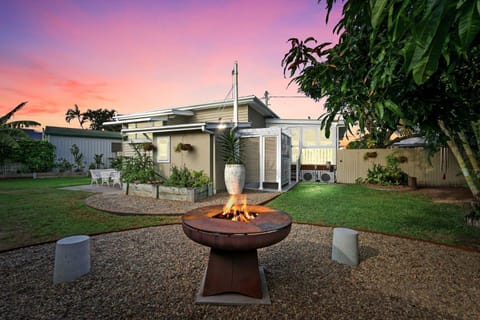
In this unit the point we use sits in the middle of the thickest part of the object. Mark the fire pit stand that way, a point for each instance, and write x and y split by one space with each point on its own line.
233 262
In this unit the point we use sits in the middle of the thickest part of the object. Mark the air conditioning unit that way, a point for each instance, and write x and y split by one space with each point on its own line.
326 177
309 175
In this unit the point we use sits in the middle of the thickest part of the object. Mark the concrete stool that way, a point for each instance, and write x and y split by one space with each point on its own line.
345 246
72 258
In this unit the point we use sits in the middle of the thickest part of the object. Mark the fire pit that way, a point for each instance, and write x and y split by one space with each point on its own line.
233 262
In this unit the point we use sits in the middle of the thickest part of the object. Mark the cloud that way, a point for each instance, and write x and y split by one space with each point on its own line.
139 55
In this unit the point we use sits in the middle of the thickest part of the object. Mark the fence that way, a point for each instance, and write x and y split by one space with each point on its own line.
441 170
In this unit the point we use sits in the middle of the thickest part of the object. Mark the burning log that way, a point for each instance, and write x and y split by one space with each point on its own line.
236 209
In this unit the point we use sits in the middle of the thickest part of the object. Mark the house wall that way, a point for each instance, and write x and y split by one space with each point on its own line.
196 159
440 171
212 115
88 146
257 120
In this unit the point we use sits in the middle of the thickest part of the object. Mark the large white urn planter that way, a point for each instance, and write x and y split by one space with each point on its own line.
234 178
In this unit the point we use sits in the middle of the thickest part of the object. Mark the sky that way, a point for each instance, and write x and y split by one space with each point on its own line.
135 56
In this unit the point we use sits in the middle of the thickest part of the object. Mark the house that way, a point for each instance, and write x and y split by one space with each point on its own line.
89 142
267 150
33 134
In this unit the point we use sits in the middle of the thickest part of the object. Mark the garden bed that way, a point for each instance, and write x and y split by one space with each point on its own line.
168 193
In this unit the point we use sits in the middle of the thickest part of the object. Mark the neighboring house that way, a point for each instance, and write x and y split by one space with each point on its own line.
200 126
313 153
34 135
90 143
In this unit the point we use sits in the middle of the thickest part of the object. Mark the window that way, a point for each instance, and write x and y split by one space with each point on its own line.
163 149
116 147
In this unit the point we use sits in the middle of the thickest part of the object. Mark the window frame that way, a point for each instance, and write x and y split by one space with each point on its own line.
168 151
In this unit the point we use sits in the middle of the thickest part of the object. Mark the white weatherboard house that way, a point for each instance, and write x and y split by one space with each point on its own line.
267 143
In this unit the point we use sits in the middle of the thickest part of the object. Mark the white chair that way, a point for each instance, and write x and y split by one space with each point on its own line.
116 178
105 175
95 176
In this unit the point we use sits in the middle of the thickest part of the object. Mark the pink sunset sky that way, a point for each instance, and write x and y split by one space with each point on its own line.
135 56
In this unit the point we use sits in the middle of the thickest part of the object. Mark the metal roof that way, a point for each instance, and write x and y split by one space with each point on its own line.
70 132
252 101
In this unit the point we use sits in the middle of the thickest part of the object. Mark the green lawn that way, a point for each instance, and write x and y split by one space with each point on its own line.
392 212
35 211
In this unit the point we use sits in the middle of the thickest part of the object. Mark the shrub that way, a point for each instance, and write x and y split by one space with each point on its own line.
139 168
185 178
63 165
38 156
389 175
77 158
98 161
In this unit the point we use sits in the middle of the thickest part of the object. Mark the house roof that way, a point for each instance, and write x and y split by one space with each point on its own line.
252 101
70 132
410 142
201 126
34 135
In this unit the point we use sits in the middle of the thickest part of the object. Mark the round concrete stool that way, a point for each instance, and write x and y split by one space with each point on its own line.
72 258
345 246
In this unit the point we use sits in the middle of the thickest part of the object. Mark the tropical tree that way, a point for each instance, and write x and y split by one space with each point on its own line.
98 117
75 114
11 132
399 63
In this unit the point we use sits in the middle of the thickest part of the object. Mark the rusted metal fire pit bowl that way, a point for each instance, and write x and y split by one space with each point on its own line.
233 262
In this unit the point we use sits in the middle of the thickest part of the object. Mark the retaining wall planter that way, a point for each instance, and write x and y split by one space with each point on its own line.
168 193
141 189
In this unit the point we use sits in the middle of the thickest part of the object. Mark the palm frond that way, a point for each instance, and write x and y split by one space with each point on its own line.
7 117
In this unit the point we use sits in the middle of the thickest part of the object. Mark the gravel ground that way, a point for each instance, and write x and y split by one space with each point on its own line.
154 273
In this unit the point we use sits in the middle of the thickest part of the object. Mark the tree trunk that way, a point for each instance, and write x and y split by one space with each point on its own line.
469 152
461 162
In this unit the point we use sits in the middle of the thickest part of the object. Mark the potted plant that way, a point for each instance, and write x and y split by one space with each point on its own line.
148 146
183 146
231 150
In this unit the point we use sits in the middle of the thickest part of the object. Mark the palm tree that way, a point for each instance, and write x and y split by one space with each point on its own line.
75 114
12 131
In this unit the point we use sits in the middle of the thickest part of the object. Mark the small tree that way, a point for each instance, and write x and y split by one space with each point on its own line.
77 158
139 168
97 158
11 133
38 156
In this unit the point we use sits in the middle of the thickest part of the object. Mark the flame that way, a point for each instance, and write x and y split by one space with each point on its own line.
238 208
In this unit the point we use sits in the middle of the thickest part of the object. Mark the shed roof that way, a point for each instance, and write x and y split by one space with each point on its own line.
82 133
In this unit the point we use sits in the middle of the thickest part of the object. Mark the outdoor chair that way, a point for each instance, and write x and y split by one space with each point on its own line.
95 176
116 178
105 175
